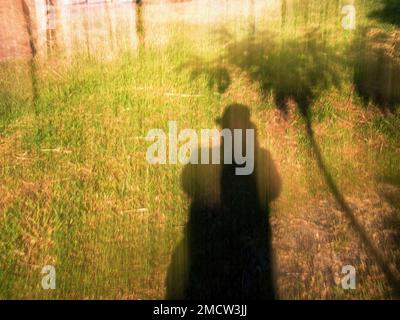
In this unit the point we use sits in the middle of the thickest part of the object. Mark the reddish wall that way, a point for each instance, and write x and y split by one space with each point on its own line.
14 39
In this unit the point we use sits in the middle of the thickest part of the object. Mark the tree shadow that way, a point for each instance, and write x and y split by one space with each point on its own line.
226 250
296 69
388 13
377 68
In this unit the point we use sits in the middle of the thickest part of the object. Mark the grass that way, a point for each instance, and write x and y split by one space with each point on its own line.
77 192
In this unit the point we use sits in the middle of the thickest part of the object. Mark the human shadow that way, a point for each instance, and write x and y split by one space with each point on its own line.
226 250
389 12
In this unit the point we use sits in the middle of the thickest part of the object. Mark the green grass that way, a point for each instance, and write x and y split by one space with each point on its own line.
77 192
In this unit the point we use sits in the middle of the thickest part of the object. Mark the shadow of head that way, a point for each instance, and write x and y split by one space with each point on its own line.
235 116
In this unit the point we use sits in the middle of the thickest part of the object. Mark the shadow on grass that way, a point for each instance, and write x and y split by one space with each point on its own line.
392 179
377 68
388 13
291 70
389 188
226 252
296 70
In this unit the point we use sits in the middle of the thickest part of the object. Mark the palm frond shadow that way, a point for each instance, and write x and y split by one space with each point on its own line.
388 13
377 68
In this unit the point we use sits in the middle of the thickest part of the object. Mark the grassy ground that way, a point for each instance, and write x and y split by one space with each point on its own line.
77 192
